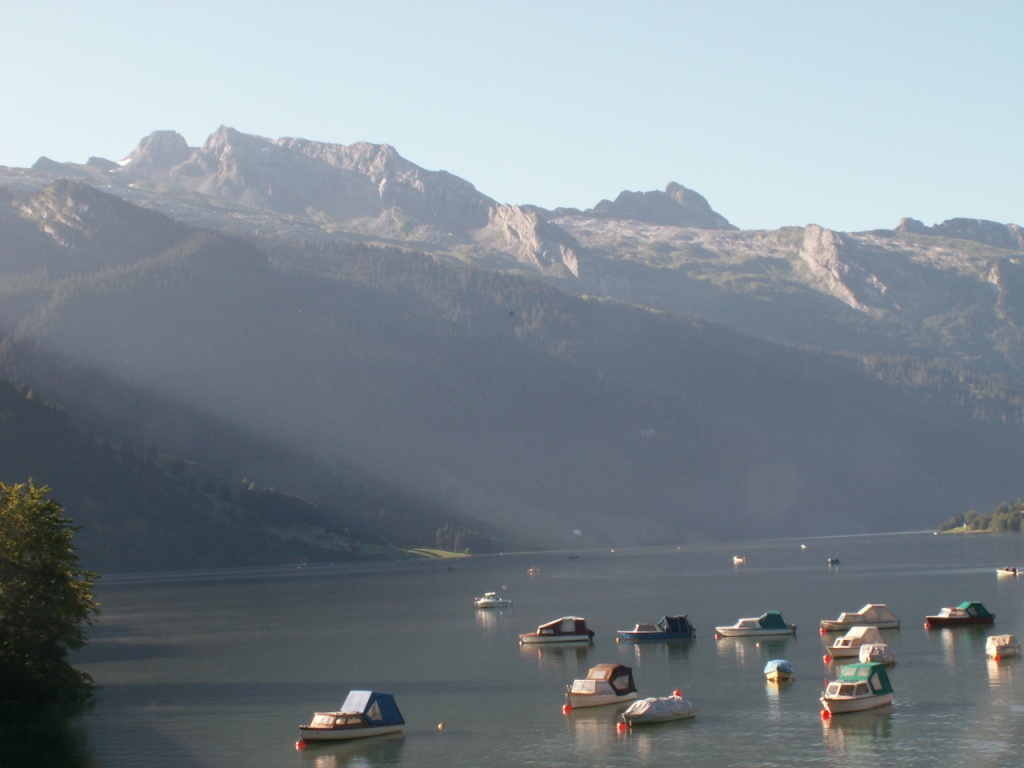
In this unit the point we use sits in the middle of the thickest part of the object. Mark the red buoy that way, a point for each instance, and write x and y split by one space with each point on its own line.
300 745
927 625
566 709
822 631
677 692
996 657
825 714
621 727
717 636
827 659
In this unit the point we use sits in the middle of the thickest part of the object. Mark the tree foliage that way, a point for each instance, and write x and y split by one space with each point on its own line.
46 599
1006 518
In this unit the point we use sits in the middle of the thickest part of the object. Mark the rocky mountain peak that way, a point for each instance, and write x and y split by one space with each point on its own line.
676 206
158 153
1009 236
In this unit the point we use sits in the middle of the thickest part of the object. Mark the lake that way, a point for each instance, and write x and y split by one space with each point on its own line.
219 668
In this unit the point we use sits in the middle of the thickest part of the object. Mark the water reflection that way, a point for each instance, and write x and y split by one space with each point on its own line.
858 733
594 729
565 659
1000 673
750 652
959 641
674 650
378 750
490 619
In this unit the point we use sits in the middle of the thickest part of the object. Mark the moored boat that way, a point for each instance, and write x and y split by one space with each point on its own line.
965 614
871 615
363 714
568 629
859 686
881 653
668 628
767 624
492 600
778 671
1010 570
1002 646
738 559
604 684
658 709
850 644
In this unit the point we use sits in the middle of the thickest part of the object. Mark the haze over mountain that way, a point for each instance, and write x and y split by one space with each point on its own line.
319 317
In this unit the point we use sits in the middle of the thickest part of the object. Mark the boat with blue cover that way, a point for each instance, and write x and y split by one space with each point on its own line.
363 714
667 628
778 671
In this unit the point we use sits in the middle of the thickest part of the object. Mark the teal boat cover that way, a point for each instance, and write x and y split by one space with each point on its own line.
773 620
974 609
872 672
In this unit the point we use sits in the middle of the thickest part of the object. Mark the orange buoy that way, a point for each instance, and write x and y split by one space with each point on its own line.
566 709
300 745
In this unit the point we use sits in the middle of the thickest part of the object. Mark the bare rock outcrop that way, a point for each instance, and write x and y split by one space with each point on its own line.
524 233
677 206
1009 236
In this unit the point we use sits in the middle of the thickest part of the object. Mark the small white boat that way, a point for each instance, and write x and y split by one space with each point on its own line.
660 709
778 671
737 559
871 615
767 624
858 687
881 653
492 600
1002 646
568 629
849 645
363 714
1010 570
604 684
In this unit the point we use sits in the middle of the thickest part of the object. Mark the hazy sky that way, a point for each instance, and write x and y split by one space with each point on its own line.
845 114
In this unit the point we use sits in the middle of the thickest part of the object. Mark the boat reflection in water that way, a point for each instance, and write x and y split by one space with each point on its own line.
382 750
860 734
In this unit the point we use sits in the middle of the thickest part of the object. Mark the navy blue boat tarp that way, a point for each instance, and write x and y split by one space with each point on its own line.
378 708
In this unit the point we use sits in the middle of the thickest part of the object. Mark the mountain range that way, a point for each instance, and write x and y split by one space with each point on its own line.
394 358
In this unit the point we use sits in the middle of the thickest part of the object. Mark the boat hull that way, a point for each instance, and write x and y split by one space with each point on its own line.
637 637
838 706
779 677
347 734
937 622
845 626
660 711
584 700
550 639
733 632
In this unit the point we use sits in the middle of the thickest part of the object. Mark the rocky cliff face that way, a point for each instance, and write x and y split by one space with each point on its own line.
1009 236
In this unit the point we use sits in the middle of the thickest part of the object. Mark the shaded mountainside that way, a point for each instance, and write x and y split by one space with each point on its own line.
490 402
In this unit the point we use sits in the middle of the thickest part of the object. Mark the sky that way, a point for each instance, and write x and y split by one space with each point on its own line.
850 115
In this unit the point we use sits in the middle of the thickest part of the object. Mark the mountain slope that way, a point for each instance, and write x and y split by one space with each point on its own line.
500 401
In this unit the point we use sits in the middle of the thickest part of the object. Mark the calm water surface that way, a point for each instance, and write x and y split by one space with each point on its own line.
219 669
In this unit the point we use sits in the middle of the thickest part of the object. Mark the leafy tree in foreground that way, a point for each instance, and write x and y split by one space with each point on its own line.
45 599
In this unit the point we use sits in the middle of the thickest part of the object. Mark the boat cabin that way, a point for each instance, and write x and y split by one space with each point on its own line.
606 678
855 638
567 625
861 679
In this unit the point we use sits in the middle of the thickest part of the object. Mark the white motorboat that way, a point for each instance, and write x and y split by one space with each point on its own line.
849 645
766 625
363 714
871 615
882 653
858 687
1002 646
568 629
492 600
604 684
660 709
